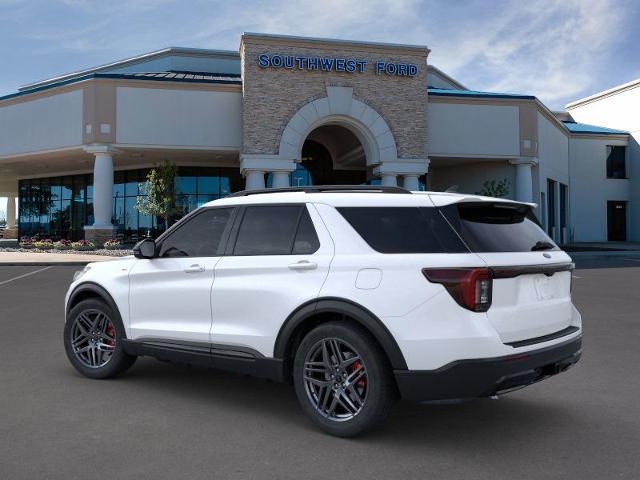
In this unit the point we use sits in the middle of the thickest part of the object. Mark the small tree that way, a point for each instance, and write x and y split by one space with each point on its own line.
160 200
491 188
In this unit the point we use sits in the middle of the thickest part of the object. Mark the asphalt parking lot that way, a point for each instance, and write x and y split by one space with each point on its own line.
166 421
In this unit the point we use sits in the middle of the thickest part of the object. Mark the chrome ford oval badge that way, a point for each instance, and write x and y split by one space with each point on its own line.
546 255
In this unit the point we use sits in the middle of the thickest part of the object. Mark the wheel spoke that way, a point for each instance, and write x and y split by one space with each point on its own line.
346 403
350 361
356 375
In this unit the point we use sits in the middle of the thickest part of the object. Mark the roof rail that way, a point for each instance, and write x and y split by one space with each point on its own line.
325 188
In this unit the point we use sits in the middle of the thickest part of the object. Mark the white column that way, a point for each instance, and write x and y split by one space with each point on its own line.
411 182
524 179
11 212
103 190
280 179
254 180
389 179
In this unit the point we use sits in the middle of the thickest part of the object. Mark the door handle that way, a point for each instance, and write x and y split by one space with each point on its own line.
303 265
195 268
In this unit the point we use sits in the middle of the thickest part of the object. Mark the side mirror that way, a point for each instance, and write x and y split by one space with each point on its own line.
145 248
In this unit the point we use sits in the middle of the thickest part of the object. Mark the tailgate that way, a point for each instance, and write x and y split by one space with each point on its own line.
531 276
531 296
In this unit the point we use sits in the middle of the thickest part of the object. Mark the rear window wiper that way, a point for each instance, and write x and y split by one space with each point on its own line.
540 245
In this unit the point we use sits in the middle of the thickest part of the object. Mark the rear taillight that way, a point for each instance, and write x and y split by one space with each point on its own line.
470 287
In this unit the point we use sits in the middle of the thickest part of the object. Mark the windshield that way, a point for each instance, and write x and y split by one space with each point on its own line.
498 227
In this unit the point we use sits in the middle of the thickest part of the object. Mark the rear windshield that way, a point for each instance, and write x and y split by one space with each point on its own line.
404 229
498 227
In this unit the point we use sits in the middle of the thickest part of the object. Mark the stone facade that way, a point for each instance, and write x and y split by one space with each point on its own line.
272 96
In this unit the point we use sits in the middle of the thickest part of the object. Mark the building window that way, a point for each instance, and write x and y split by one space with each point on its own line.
616 161
60 207
551 206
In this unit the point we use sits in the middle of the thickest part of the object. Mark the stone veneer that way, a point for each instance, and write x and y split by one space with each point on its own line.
272 96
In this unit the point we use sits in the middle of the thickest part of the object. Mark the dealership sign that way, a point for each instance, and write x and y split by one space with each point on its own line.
336 64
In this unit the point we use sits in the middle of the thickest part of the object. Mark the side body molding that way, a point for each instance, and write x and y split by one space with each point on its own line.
339 307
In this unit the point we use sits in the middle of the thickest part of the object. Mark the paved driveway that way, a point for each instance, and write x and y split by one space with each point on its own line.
166 421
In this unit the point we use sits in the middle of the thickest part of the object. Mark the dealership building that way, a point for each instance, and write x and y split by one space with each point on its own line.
291 111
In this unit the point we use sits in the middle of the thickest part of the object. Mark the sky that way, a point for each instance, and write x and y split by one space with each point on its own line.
558 50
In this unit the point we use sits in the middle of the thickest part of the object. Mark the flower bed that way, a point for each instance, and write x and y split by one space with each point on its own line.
112 247
83 246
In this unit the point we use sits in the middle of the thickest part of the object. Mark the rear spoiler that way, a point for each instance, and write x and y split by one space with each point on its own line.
448 199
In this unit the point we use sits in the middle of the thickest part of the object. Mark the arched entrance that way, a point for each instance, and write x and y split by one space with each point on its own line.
331 155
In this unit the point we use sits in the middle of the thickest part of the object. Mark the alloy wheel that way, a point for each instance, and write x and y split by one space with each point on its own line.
335 379
93 338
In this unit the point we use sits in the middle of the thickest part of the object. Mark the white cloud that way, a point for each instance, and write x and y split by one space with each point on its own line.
555 50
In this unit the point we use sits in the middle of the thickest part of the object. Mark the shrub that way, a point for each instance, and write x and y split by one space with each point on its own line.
62 245
113 244
26 242
46 244
83 245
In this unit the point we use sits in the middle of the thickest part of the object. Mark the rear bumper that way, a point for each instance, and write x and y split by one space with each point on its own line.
484 377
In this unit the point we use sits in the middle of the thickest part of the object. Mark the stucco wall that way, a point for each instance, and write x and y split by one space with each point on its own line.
197 118
465 129
590 189
620 111
42 124
271 96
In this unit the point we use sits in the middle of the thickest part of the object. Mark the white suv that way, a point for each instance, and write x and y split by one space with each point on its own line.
356 295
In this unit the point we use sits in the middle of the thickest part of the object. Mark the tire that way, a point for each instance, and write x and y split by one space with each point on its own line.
97 353
361 392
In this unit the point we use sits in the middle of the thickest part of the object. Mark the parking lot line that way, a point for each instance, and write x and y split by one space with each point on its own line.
25 275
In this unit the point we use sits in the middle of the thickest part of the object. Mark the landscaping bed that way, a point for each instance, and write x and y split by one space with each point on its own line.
111 248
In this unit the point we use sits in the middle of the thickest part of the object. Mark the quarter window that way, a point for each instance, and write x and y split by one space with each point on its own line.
403 229
200 236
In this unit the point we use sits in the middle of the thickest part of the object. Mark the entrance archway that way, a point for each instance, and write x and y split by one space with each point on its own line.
332 155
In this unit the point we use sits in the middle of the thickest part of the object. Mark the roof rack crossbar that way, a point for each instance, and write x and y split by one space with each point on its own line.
325 188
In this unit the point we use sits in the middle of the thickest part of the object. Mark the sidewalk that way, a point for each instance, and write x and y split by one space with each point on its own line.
36 259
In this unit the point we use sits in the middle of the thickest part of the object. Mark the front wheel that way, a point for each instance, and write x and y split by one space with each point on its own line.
343 380
93 337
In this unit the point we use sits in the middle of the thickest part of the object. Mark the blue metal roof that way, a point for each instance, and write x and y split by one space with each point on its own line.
575 127
187 77
445 92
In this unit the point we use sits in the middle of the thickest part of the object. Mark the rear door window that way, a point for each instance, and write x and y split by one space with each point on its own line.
404 229
498 227
276 230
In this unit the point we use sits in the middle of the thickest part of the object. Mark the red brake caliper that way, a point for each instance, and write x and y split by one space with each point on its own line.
355 367
112 333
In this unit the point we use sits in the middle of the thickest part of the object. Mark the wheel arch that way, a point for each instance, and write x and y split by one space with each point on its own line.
88 290
322 310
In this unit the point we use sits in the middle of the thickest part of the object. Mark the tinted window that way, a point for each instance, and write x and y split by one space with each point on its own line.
616 163
403 229
200 236
267 230
306 241
498 227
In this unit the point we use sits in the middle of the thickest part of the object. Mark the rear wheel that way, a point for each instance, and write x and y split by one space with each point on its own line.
343 379
93 337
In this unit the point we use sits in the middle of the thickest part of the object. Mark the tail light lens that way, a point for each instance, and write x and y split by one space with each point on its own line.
469 287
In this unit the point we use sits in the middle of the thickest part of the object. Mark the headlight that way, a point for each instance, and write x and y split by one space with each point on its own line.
80 273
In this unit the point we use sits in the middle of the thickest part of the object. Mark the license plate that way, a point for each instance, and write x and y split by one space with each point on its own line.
544 288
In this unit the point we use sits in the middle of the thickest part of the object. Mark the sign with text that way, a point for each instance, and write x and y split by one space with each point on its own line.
335 64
